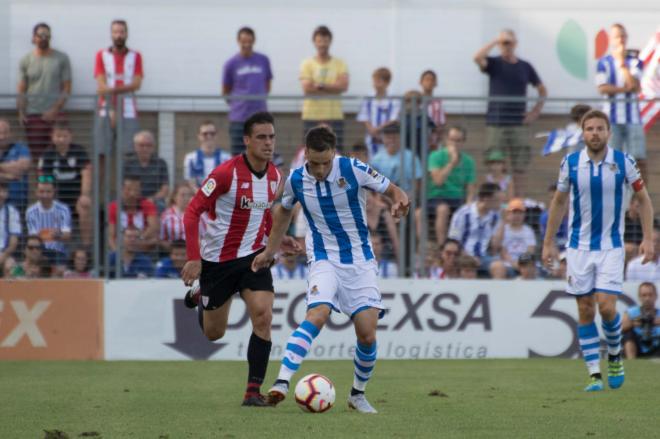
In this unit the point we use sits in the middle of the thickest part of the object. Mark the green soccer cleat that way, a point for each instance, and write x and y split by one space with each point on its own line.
595 385
615 373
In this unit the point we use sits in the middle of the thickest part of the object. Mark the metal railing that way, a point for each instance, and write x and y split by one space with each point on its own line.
177 117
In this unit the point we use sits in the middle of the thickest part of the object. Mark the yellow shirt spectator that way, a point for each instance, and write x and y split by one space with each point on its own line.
322 73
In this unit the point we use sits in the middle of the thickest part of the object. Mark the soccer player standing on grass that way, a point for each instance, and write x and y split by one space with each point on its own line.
598 178
237 197
343 271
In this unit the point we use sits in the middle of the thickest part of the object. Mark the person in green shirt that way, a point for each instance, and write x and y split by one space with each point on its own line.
451 180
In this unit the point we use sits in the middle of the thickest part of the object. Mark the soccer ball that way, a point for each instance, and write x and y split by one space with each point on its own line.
315 393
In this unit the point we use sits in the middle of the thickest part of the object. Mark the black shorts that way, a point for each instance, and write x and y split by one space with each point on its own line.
219 281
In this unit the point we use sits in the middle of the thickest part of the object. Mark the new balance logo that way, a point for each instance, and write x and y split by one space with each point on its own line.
245 185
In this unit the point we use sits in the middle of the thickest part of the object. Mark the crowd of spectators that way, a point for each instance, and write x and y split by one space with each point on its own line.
480 226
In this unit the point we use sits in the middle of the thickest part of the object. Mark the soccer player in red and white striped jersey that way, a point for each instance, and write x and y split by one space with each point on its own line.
237 197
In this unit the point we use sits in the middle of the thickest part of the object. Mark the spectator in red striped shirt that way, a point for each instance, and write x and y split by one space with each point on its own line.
136 211
171 220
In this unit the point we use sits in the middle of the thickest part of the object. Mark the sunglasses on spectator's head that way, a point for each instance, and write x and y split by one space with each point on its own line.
46 179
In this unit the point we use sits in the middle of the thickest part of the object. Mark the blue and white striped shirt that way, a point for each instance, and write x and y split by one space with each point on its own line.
335 209
10 224
58 217
598 198
472 230
280 272
377 111
622 108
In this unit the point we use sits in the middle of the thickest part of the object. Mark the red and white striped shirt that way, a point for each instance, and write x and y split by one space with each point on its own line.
119 68
172 227
237 203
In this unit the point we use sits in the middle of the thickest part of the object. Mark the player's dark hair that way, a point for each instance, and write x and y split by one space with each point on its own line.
178 243
38 26
259 118
121 23
459 128
246 30
488 190
578 111
428 72
323 31
648 284
321 138
595 114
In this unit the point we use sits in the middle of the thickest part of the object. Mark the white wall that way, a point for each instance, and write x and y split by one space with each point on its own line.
184 44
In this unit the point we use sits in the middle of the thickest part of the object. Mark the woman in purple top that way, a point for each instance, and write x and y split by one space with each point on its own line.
246 73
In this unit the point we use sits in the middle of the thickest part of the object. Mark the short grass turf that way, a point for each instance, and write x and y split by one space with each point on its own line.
441 398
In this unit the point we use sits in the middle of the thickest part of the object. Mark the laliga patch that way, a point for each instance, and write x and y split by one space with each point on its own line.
208 187
273 186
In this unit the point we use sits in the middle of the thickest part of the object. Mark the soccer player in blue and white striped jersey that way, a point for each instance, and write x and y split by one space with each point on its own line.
595 184
618 78
49 218
343 271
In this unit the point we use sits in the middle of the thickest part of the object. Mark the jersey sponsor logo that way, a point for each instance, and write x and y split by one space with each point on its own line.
209 187
247 203
245 185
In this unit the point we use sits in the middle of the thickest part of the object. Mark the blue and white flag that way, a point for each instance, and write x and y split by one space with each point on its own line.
559 139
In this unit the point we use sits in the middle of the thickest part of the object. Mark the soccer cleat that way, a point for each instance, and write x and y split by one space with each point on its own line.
192 295
615 373
257 400
278 392
595 385
359 402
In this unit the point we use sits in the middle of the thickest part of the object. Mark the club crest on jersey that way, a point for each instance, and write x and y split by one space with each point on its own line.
208 187
273 186
341 182
314 291
614 168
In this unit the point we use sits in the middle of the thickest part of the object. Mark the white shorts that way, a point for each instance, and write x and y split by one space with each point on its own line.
346 288
594 271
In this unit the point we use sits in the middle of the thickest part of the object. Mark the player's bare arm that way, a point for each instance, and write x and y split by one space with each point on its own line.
646 247
281 220
557 211
400 201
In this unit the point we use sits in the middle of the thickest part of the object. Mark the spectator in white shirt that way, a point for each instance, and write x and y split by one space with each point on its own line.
513 237
649 272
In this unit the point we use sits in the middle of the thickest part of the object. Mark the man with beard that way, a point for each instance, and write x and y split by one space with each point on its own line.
118 73
598 178
43 87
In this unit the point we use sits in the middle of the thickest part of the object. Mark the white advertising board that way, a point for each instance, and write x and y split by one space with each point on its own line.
146 320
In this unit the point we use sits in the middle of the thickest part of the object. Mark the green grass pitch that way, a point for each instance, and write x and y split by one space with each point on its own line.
423 398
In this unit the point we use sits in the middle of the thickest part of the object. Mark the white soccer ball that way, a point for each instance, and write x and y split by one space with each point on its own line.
315 393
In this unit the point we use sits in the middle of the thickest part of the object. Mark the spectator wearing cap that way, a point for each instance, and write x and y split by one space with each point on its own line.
507 119
527 267
467 267
247 73
513 237
69 165
650 272
474 224
15 162
402 167
322 76
50 219
10 225
497 174
451 181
